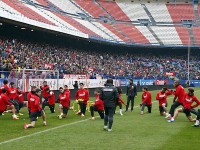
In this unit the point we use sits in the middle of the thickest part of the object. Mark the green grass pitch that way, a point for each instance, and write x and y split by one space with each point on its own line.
130 131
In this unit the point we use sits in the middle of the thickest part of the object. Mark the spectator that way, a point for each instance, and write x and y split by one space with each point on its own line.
16 54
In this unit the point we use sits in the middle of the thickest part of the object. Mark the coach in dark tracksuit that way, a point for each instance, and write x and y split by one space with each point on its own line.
131 92
109 95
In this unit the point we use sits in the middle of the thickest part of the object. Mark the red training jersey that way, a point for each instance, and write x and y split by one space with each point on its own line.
21 97
51 98
180 93
64 99
120 99
5 86
44 92
162 97
28 98
13 93
146 98
99 103
82 94
34 103
68 91
188 101
4 102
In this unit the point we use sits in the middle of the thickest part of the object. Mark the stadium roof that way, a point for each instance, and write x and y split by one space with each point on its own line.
156 23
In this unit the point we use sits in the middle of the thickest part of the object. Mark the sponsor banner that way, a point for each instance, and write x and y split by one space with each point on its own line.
75 76
170 73
54 84
136 82
123 82
195 83
182 81
88 83
39 82
161 82
170 82
147 82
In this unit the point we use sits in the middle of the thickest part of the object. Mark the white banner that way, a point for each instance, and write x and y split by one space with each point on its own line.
54 85
89 83
75 76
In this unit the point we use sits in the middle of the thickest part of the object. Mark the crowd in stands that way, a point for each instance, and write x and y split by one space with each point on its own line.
16 54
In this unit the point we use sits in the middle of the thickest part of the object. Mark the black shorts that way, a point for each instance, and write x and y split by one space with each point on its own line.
187 112
161 108
34 115
65 110
21 105
12 101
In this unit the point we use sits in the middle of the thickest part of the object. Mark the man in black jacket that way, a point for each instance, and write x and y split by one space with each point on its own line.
109 95
131 93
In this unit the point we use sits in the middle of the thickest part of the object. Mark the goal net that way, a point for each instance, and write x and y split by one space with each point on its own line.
25 78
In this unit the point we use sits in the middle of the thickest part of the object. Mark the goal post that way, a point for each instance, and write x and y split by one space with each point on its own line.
25 78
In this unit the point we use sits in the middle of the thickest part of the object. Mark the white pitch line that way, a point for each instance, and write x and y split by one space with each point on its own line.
36 133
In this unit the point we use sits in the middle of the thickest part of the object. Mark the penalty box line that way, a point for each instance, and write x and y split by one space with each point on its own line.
36 133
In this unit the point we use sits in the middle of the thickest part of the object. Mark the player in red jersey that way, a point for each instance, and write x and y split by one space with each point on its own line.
20 97
33 89
82 95
13 91
36 110
49 101
44 92
64 103
68 91
13 97
146 100
179 93
98 106
188 100
66 88
120 101
162 98
5 104
5 86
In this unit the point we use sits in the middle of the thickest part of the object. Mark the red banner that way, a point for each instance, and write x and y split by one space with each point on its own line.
170 73
50 66
161 82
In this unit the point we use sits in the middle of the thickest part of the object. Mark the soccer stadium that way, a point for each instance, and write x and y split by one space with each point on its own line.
99 74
